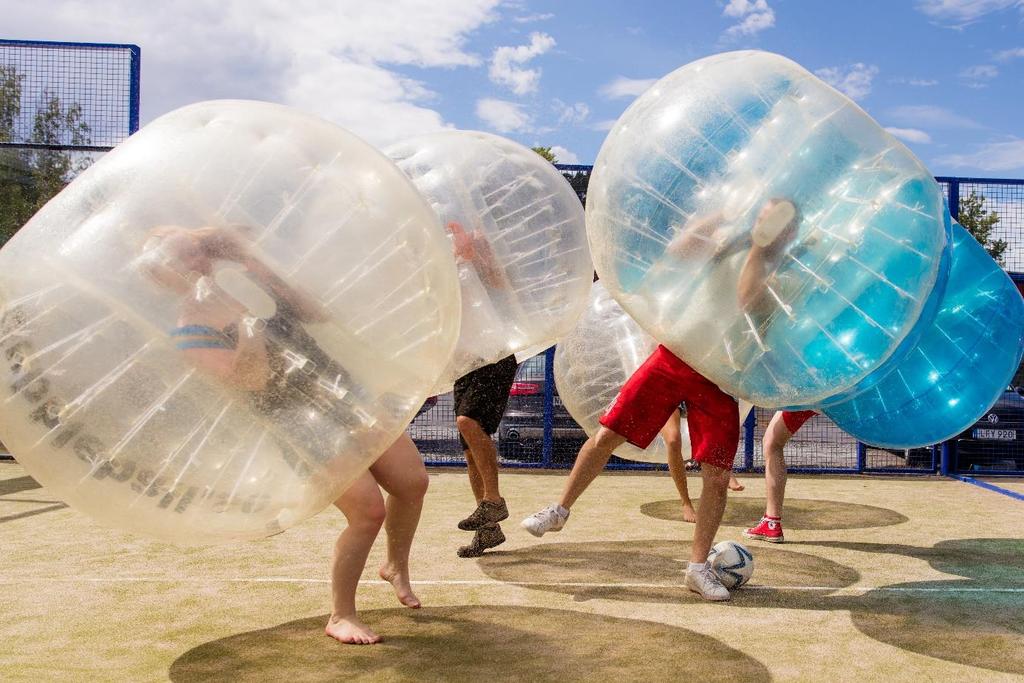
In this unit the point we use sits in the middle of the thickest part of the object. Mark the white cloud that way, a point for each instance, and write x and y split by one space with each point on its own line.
976 76
916 82
332 58
992 156
564 156
959 13
753 16
571 114
931 117
506 63
626 87
1012 53
530 18
854 81
607 124
911 135
502 116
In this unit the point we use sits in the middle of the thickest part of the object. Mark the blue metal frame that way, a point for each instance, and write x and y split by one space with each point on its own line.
134 93
549 408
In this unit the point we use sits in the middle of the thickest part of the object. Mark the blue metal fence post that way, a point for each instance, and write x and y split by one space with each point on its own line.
862 457
946 459
954 211
549 408
135 89
748 440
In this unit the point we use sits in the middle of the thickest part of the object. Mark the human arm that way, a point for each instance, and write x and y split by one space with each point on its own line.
696 235
228 245
476 250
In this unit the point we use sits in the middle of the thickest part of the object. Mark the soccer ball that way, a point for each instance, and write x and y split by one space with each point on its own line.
732 563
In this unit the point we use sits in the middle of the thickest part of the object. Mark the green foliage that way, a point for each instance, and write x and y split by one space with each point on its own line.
30 178
546 153
980 224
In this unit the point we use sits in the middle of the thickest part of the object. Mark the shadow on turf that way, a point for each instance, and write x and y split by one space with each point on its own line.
801 513
471 643
978 621
652 571
17 485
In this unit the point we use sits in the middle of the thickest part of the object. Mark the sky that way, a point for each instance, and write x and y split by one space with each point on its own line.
945 76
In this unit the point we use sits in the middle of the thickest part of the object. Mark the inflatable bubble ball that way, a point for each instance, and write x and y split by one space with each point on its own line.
517 230
765 229
214 329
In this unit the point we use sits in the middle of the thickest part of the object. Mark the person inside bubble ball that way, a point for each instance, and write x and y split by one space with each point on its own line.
644 404
291 381
664 381
715 238
480 399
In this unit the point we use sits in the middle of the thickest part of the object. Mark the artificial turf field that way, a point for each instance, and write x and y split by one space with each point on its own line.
889 579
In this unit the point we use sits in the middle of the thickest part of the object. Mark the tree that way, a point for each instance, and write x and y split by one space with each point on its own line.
980 224
546 153
30 178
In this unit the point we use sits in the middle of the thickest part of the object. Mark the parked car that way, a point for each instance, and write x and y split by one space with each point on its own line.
521 431
996 441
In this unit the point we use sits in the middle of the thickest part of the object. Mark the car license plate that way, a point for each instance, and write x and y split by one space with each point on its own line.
1000 434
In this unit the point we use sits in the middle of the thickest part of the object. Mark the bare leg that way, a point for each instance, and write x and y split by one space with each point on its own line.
674 442
592 458
709 514
475 481
734 483
401 473
485 456
776 436
363 507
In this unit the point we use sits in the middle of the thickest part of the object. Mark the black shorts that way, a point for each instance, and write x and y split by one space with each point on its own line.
483 394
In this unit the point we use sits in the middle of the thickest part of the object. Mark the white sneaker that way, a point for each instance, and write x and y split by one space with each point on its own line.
705 583
551 518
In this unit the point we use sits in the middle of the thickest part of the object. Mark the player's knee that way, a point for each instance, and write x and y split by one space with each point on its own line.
716 476
466 424
370 518
674 443
606 440
418 486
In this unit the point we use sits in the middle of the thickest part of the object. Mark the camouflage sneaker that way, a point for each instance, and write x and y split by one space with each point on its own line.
487 537
486 513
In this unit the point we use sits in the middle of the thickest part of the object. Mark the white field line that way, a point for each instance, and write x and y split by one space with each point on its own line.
851 590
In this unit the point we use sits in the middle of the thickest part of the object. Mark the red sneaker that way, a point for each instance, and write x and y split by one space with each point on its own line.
768 529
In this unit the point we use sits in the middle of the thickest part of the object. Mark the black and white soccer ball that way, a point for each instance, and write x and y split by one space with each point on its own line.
732 563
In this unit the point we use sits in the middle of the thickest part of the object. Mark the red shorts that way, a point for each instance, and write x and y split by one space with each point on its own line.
795 419
648 398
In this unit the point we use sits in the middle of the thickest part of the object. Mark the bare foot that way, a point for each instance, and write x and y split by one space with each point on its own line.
403 589
735 485
351 631
689 514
